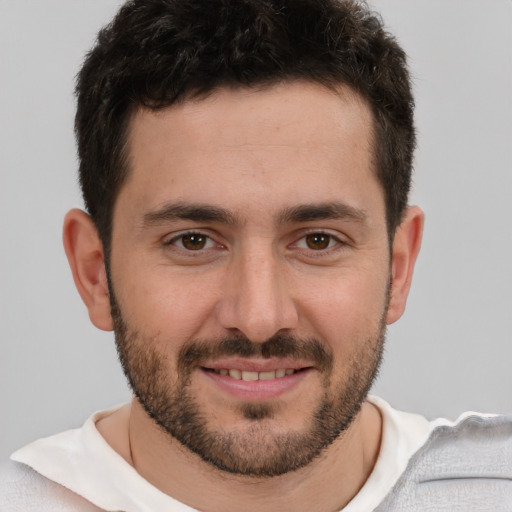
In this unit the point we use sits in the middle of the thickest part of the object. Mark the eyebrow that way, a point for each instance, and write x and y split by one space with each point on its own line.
193 212
210 213
322 211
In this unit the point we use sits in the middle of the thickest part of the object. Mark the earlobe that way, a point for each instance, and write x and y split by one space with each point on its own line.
84 251
406 246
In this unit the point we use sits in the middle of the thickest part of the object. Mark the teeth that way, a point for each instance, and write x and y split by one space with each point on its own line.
249 375
252 376
235 374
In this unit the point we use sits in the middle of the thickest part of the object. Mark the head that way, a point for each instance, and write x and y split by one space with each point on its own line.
246 167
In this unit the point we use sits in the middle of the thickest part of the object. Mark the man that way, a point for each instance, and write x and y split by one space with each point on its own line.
245 167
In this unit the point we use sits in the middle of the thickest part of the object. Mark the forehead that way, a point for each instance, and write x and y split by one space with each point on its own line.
296 114
242 147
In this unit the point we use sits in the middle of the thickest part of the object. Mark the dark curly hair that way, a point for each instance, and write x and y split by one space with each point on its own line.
158 52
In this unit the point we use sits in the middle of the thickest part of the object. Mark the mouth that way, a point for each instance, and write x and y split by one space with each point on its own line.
249 376
248 380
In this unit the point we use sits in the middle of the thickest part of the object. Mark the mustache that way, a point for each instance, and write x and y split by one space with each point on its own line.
195 353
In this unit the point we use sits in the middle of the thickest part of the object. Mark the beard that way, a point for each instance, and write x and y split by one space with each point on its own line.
257 449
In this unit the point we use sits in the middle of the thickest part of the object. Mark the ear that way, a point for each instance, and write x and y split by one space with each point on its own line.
85 256
406 246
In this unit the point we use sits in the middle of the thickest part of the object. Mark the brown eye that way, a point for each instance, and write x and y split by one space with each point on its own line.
194 241
318 241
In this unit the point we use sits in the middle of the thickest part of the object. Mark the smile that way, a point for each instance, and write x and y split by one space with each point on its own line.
252 376
254 384
256 379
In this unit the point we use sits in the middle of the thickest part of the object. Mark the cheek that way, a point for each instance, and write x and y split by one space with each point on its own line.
163 304
346 311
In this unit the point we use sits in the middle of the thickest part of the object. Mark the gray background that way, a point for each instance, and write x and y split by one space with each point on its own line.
451 352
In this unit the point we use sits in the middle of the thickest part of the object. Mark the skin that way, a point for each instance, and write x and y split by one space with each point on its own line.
254 153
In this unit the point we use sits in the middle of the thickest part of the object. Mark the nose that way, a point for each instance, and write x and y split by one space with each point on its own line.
256 299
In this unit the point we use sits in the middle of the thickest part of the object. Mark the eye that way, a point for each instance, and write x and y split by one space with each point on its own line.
317 241
192 241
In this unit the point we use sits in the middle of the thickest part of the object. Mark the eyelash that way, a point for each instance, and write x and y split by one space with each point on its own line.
333 242
181 236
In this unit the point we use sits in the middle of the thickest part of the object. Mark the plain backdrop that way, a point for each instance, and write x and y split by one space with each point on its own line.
452 351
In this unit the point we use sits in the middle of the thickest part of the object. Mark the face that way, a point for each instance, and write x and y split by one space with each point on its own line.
249 272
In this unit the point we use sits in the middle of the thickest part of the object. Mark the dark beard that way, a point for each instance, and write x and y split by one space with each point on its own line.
256 451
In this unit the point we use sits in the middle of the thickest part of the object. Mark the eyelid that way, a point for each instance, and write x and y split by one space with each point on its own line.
170 240
341 241
335 236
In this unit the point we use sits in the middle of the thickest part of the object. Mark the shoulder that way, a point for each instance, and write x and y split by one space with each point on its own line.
463 466
23 489
474 446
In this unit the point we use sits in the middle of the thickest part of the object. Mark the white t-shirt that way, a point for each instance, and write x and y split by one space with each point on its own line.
84 462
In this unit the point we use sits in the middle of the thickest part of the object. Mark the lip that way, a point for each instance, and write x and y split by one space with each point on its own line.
258 390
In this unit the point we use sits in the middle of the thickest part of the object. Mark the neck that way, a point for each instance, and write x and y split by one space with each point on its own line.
328 483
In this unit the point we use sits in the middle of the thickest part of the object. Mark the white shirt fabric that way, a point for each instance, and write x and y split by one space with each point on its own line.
82 461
